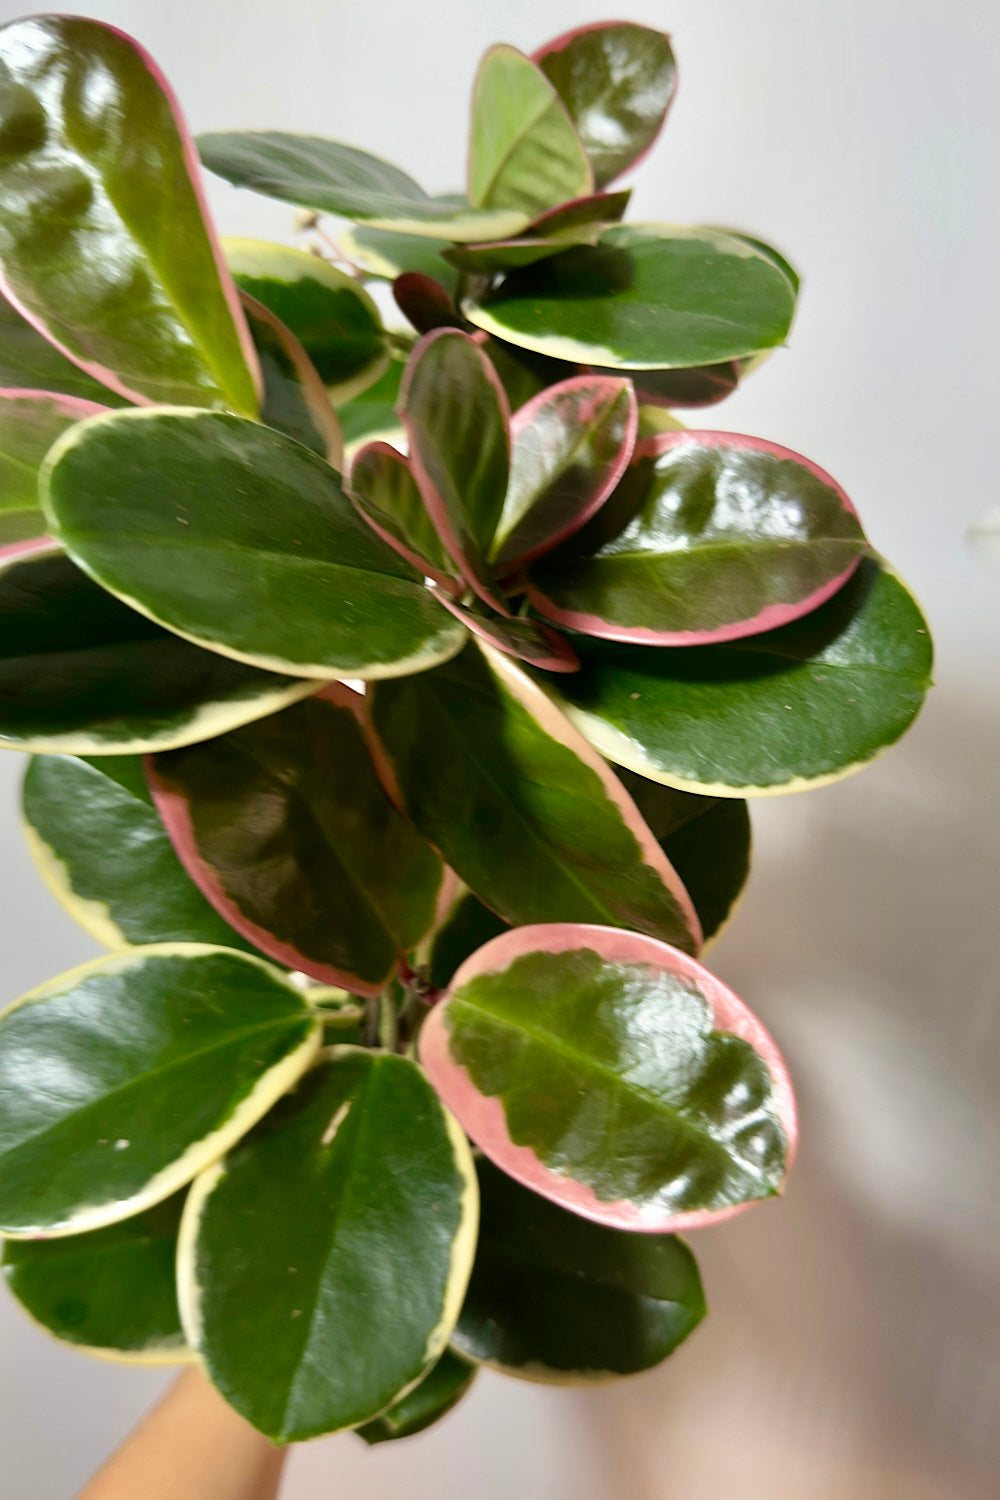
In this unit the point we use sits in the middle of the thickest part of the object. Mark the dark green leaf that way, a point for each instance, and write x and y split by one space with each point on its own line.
427 1403
780 712
83 673
29 362
355 1209
468 925
123 1079
519 806
524 153
648 296
99 843
553 1297
725 536
617 80
104 245
329 312
110 1292
285 828
707 840
295 400
337 179
613 1075
240 539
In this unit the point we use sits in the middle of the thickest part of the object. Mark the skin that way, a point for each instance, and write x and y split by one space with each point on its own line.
192 1446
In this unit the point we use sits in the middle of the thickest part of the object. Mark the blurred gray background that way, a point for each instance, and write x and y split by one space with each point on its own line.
853 1347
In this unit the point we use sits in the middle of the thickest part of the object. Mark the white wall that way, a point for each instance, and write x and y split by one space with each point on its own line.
853 1345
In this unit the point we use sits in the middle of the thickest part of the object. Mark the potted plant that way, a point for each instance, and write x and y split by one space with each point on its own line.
394 699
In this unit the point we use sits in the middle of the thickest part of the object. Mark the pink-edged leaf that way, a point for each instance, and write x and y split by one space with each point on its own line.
30 422
425 302
456 418
518 803
107 249
595 208
528 640
724 536
703 385
295 399
617 80
570 446
286 830
615 1076
384 490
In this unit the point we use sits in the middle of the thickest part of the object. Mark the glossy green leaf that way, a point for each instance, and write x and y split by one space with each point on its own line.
555 1298
613 1075
570 446
236 537
30 422
371 415
526 640
30 362
780 712
104 853
616 80
104 243
647 296
385 491
468 925
295 401
337 179
285 828
81 672
726 536
329 312
456 418
355 1209
427 1403
386 253
524 153
707 840
111 1292
123 1079
519 806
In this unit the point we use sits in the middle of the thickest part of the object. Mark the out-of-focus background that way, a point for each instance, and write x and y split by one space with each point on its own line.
853 1346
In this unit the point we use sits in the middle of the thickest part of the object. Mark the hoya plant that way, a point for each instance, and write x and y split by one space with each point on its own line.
393 696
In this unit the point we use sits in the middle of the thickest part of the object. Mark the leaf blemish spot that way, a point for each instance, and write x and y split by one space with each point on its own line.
335 1123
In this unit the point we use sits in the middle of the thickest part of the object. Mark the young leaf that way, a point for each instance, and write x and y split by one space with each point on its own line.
707 840
29 362
236 537
386 254
519 805
727 536
30 422
384 489
647 296
106 247
530 641
286 830
124 1078
425 303
337 179
80 672
554 1297
524 153
613 1075
592 209
456 418
104 853
329 312
427 1403
617 81
355 1209
295 400
780 712
111 1292
569 448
